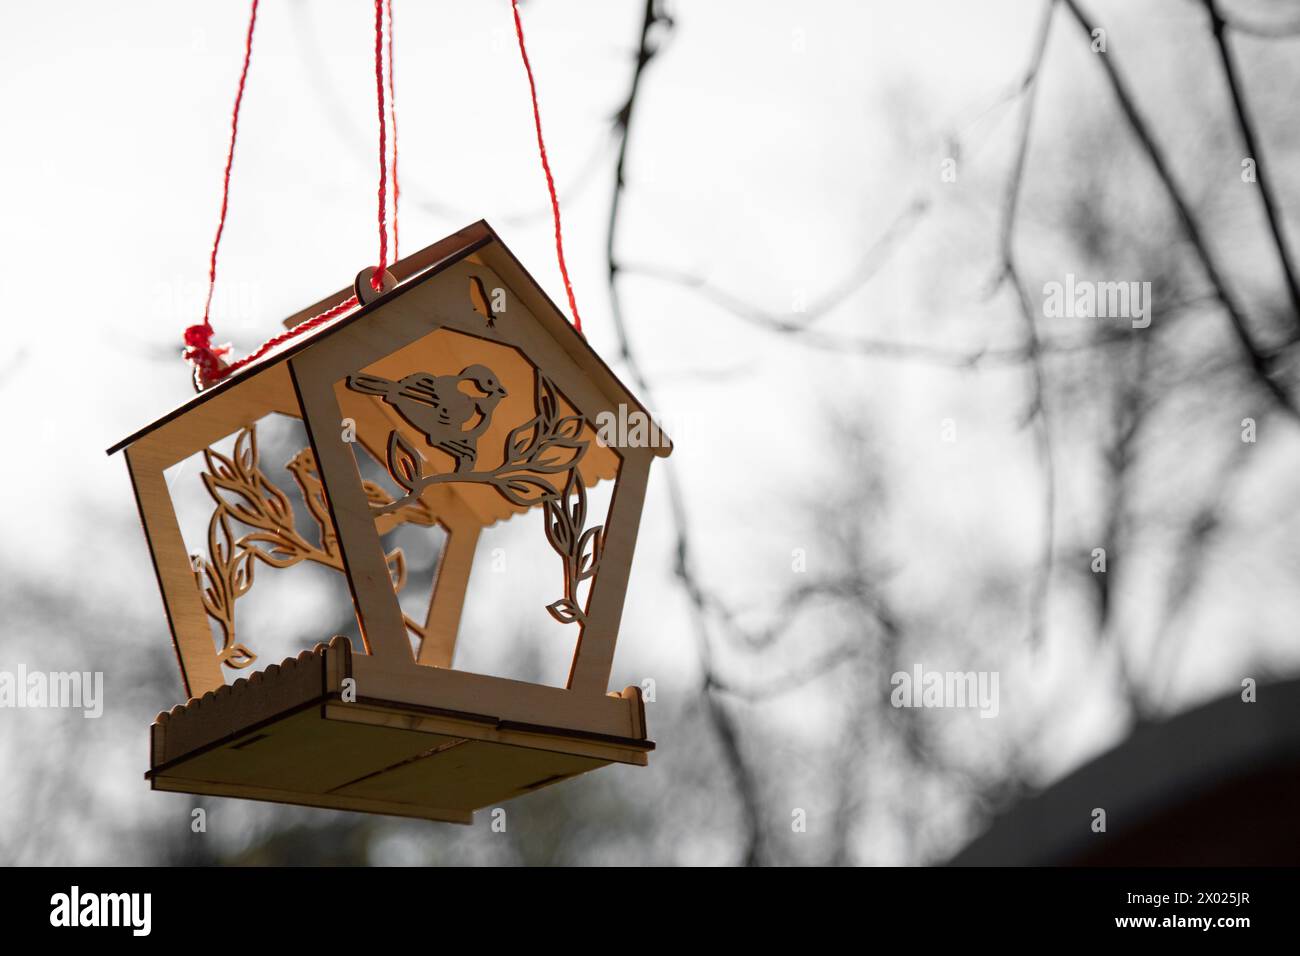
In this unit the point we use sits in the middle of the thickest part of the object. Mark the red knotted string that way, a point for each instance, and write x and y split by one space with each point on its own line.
546 168
199 352
347 305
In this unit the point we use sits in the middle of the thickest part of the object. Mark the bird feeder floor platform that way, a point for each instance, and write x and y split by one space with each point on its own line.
294 734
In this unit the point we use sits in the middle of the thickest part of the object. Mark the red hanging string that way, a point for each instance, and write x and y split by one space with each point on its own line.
376 278
546 168
347 305
351 302
207 361
392 121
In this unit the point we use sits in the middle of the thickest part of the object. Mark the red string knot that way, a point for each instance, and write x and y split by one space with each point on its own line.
207 360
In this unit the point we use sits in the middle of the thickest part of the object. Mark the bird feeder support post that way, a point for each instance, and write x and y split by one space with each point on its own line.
191 632
594 657
378 613
450 583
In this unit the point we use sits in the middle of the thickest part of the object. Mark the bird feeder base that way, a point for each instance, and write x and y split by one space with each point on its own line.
348 732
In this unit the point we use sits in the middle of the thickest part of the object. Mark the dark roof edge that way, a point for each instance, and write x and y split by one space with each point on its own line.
659 451
481 234
410 272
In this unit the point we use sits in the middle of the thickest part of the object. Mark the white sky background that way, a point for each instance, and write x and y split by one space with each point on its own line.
764 168
745 153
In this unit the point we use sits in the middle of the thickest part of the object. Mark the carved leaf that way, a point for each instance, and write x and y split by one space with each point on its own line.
576 489
221 538
525 491
243 577
557 455
589 549
522 438
547 403
241 500
568 427
237 656
212 594
565 611
245 457
279 553
219 465
275 502
558 530
404 463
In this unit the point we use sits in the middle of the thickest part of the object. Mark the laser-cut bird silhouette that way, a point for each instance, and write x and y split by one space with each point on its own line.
451 417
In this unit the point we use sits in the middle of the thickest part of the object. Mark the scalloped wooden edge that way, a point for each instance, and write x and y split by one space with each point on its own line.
234 709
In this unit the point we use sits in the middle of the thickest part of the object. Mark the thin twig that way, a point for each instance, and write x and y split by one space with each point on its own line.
724 724
936 355
1038 413
1254 149
1264 31
1236 316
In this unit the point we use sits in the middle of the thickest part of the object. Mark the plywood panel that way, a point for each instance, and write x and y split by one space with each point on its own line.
496 697
326 801
306 754
471 775
492 732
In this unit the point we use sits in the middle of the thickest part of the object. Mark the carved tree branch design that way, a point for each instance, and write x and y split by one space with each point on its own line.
547 444
580 549
244 494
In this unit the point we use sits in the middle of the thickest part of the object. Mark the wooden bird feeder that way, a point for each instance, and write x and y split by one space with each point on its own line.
469 389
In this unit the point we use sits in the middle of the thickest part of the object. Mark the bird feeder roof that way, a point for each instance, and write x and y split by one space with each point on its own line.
482 243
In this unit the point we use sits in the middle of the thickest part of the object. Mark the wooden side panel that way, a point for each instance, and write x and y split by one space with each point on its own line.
378 612
234 709
224 413
594 658
471 775
325 801
287 735
494 697
632 693
450 583
306 754
191 632
395 716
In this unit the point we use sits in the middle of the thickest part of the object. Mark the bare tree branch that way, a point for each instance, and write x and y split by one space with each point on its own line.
1255 357
1254 150
936 355
1265 31
1038 413
653 18
791 681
